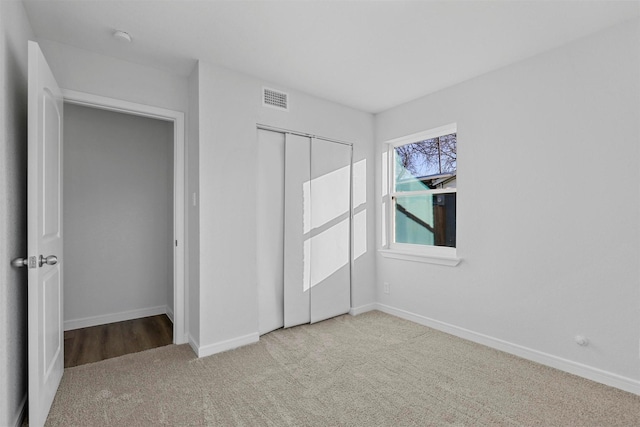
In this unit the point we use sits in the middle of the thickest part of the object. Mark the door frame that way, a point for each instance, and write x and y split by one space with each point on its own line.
179 189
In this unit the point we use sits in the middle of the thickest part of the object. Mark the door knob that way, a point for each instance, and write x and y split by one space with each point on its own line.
20 262
50 260
24 262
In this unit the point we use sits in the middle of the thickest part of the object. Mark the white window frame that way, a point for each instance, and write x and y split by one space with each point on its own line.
413 252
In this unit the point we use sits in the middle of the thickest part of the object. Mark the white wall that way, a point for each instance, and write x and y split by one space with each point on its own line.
229 109
118 216
15 31
548 236
86 71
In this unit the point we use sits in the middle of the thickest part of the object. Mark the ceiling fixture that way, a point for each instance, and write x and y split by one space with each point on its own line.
123 36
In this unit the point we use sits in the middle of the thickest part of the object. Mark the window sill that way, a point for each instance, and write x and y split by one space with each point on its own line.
418 257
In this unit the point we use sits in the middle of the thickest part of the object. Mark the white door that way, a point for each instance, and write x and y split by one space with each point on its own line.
44 229
270 231
330 229
304 192
297 230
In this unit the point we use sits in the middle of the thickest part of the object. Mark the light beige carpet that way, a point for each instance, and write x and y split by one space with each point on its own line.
369 370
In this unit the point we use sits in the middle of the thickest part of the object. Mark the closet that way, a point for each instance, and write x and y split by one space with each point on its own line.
304 228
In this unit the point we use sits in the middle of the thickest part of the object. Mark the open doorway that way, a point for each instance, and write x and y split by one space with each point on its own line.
118 209
123 226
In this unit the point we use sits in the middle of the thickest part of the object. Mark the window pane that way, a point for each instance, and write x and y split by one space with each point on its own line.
426 164
427 219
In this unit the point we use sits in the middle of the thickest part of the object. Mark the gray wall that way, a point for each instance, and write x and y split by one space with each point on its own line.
118 214
15 30
548 235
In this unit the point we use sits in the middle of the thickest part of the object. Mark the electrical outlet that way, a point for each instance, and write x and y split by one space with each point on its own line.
385 287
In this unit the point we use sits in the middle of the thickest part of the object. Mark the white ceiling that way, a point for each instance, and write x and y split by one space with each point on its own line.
370 55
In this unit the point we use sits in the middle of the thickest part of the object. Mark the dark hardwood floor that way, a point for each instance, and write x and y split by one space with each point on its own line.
101 342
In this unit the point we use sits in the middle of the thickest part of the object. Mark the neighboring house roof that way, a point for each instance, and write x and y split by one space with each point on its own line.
439 180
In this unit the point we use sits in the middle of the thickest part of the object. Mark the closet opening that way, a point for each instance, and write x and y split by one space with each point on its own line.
119 223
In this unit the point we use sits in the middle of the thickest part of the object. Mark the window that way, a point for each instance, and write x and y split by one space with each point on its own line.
420 201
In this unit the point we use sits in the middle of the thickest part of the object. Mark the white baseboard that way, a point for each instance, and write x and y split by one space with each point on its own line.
169 313
113 317
194 344
22 412
219 347
354 311
575 368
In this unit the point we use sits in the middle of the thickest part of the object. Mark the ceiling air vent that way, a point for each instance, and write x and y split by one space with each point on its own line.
275 99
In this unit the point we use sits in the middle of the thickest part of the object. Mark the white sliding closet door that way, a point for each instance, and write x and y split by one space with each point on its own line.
304 229
270 231
297 210
330 229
